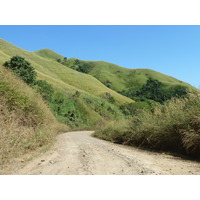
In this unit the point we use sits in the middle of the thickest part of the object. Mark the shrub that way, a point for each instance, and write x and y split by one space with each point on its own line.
84 67
110 98
45 89
22 68
68 110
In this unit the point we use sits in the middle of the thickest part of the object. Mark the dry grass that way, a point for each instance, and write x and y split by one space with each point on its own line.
26 123
173 127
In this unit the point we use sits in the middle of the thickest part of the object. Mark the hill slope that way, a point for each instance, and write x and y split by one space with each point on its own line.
59 76
84 101
26 122
116 77
49 54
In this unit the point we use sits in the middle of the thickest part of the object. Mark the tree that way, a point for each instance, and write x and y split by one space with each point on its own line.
155 90
152 90
22 68
84 67
59 60
178 91
77 62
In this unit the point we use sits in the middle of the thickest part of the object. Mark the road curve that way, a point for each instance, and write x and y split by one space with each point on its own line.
78 153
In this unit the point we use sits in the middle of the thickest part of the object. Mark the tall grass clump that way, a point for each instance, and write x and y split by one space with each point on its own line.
113 131
174 126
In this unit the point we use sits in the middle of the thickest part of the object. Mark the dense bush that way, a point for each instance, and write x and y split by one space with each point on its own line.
77 65
151 90
45 89
22 68
103 108
68 110
174 126
156 91
84 67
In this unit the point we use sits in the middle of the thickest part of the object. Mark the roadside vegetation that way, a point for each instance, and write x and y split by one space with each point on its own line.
26 122
32 111
173 126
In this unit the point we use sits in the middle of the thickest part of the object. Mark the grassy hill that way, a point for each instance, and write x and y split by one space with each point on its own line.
49 54
118 78
94 104
61 77
82 100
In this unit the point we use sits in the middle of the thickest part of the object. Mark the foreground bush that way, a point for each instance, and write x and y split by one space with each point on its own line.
174 126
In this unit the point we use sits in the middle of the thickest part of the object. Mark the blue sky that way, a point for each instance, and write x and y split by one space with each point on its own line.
172 50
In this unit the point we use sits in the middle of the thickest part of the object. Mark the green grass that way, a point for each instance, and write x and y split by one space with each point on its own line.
119 78
122 78
59 76
68 82
49 54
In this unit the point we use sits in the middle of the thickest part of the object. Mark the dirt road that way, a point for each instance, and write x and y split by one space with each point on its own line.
78 153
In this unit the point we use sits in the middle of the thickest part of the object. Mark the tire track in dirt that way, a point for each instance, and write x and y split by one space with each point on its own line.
78 152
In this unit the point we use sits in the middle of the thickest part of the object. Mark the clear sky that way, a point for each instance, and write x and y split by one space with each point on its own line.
172 50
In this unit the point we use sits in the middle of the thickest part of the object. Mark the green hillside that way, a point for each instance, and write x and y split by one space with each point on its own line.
49 54
59 76
86 101
119 78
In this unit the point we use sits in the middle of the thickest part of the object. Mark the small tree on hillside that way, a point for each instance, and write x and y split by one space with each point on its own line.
152 90
22 68
77 62
59 60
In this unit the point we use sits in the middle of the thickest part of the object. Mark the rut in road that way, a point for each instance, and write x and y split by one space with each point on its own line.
78 153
